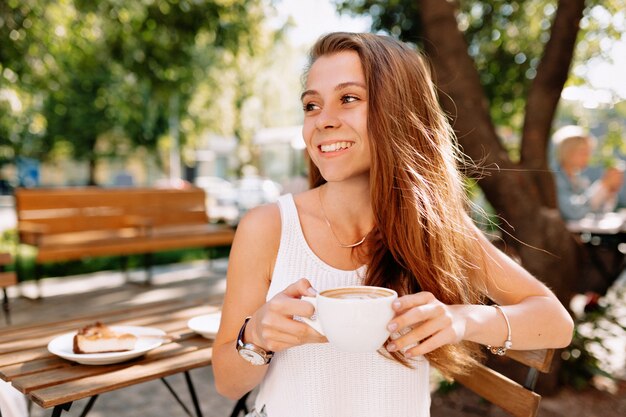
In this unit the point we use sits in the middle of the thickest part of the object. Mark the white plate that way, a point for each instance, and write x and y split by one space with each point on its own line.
206 325
63 346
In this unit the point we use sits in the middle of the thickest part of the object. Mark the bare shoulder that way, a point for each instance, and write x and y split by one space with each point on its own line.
260 219
252 257
260 227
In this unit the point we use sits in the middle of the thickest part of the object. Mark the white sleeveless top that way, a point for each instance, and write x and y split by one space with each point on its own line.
316 380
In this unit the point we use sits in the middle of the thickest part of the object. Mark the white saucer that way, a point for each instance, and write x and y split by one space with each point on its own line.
63 346
206 325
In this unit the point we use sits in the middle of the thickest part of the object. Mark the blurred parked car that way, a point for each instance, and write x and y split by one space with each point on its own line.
240 195
218 190
254 191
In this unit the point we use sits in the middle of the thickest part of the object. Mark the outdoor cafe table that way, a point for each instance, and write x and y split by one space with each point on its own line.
50 381
603 232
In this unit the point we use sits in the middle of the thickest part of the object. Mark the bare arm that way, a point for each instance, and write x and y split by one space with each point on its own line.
271 327
537 318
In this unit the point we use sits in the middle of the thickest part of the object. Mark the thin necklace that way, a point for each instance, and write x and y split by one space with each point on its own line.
353 245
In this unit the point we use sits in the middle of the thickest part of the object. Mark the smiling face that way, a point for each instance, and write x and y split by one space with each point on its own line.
335 117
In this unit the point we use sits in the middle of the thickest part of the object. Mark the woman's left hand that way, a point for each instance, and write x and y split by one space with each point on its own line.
425 323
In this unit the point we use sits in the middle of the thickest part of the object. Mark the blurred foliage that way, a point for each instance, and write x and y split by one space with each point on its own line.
588 357
505 38
75 71
8 241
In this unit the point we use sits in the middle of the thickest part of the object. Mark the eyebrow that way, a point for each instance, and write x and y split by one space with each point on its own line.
338 87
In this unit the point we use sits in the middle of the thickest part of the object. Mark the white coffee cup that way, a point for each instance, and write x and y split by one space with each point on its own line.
355 318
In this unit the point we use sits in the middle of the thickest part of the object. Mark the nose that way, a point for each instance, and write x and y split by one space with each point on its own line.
327 119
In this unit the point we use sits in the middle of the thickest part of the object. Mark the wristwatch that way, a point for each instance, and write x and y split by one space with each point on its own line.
251 352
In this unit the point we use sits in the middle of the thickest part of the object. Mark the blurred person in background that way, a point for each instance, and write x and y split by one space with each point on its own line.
577 194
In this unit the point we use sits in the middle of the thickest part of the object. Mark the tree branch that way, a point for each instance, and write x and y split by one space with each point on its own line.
456 76
545 91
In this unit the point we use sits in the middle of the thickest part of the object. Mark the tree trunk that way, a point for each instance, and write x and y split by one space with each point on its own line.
175 164
532 230
544 95
92 171
522 194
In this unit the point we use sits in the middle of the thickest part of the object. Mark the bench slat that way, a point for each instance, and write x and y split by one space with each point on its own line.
133 246
540 359
502 391
86 197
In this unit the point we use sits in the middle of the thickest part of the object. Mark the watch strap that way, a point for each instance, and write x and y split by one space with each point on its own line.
266 354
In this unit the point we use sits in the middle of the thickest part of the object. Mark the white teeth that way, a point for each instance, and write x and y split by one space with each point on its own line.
336 146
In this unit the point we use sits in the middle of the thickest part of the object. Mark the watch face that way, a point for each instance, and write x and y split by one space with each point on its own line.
251 356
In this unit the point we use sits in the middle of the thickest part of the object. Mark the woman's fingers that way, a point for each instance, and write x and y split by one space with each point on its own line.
433 342
275 325
431 323
419 333
299 288
412 300
283 332
415 310
285 306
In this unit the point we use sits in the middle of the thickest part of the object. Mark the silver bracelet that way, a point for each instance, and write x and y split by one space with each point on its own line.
501 350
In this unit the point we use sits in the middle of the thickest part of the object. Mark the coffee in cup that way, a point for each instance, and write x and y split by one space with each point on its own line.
354 318
359 293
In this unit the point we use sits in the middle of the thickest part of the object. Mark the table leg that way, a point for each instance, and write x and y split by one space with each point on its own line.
192 392
58 409
6 307
611 272
176 397
89 405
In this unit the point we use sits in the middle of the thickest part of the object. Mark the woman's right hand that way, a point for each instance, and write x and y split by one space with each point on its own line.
272 326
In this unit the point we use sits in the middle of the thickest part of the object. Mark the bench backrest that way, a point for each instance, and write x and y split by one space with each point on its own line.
75 209
519 400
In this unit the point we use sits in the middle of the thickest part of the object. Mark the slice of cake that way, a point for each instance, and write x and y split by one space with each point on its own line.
98 338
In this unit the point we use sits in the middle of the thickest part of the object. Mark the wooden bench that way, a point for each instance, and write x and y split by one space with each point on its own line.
518 400
73 223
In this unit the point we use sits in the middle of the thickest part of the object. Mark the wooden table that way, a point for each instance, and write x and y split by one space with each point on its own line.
603 233
50 381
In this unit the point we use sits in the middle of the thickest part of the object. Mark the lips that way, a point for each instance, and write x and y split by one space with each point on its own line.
335 146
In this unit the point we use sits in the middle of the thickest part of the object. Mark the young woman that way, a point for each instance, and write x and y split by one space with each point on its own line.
387 207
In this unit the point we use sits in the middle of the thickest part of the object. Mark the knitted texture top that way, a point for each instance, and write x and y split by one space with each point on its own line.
317 380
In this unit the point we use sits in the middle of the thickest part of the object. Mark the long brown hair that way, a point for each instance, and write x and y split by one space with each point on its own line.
421 239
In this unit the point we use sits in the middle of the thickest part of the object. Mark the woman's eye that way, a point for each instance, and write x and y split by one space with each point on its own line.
309 107
348 99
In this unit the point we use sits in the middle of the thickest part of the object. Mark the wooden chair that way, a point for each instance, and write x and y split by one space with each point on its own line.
241 407
6 279
518 400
